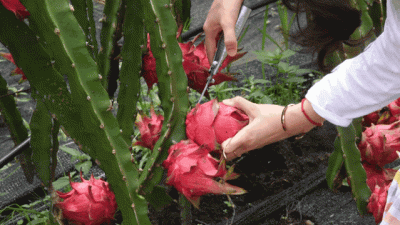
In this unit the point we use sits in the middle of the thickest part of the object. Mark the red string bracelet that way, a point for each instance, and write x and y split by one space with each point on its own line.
305 114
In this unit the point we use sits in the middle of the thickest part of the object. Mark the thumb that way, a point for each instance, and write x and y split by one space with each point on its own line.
230 40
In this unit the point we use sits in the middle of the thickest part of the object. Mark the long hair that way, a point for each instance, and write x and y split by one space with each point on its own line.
329 25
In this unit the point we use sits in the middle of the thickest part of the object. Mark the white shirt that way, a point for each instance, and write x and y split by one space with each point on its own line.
365 83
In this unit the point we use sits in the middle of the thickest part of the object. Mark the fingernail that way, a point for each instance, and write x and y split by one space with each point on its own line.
227 101
231 52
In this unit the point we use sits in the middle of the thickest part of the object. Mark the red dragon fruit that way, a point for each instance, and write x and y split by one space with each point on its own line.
195 64
379 144
17 70
378 181
193 172
150 129
370 119
90 202
378 176
212 123
394 107
377 202
16 7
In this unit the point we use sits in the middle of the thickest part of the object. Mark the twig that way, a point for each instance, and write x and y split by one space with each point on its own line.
25 90
233 208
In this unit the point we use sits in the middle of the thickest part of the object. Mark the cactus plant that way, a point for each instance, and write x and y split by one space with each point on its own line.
66 45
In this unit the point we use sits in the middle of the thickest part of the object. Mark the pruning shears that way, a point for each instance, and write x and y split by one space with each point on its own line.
221 52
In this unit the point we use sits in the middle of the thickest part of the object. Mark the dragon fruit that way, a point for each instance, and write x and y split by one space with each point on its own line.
90 202
17 70
394 107
378 176
377 202
193 172
370 119
212 123
195 64
379 144
378 181
16 7
150 129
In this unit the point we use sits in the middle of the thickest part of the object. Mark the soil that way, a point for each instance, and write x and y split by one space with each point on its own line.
264 173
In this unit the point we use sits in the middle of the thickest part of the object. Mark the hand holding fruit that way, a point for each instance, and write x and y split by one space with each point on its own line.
265 125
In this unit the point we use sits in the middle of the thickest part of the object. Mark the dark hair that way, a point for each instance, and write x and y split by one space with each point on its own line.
329 24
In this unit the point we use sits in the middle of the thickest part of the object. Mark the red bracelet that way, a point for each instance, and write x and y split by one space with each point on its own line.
305 114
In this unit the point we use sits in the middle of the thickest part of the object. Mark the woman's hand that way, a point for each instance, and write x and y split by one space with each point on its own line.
221 17
265 125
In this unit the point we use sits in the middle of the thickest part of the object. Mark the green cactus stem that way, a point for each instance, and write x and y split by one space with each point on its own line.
354 168
109 21
41 142
377 12
92 29
18 131
83 112
133 30
161 25
53 151
181 12
334 173
79 9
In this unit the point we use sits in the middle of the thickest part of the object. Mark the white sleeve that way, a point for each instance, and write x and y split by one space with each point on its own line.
365 83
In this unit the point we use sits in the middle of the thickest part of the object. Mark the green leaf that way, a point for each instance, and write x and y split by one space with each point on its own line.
287 53
61 182
71 151
295 80
85 166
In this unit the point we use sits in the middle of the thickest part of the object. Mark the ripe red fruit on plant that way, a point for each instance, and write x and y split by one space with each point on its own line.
195 64
378 181
17 70
377 202
394 107
212 123
193 172
371 118
16 7
150 129
90 202
379 144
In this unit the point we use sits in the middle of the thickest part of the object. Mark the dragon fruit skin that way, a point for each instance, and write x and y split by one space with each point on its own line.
212 123
378 180
150 129
90 202
370 119
394 107
377 202
192 171
379 144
